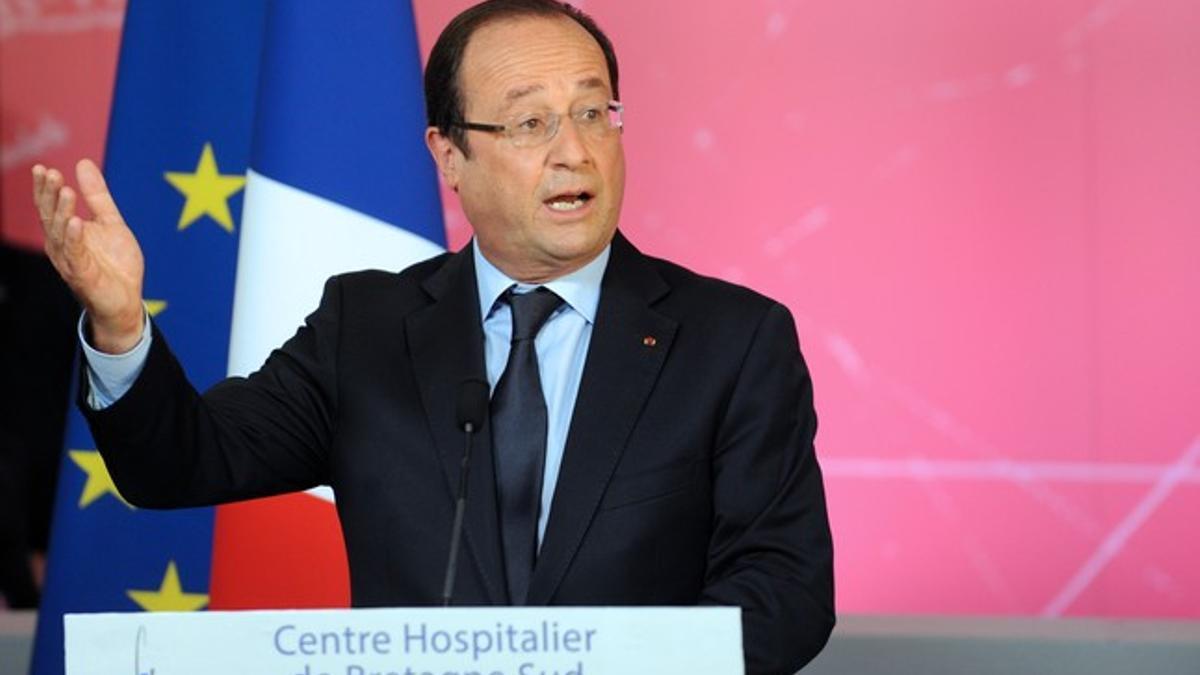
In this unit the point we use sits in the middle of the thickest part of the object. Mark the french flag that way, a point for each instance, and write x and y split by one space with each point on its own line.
339 180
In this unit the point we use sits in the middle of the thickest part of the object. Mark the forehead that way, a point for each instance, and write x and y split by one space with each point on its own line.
527 55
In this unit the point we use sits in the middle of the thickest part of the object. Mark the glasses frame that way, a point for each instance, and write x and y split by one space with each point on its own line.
553 124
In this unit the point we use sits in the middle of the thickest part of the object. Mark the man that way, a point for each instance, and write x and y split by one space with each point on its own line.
650 431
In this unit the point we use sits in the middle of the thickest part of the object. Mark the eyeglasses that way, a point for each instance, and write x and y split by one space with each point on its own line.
531 129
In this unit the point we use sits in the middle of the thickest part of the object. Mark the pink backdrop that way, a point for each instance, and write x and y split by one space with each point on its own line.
984 217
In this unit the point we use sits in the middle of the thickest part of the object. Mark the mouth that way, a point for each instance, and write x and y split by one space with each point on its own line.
567 202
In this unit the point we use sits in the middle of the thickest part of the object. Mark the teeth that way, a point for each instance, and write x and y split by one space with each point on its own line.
566 206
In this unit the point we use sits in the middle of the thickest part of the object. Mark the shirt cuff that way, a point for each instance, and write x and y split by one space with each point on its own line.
111 375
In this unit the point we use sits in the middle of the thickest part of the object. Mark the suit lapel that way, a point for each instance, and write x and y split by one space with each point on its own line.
629 344
446 343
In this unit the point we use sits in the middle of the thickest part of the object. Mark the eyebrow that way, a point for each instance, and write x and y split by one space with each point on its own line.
520 92
591 83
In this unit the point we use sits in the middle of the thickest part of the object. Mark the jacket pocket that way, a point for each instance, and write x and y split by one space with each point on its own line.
632 489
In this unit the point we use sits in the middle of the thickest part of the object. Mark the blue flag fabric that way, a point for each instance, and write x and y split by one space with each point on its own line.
178 147
341 114
340 179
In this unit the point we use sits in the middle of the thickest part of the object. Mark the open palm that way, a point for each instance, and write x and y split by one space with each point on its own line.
99 258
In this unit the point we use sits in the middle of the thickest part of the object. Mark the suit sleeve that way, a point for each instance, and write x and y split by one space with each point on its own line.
167 446
771 552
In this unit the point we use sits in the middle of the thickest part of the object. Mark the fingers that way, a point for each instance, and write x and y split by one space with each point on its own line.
95 190
46 183
72 243
63 210
39 179
65 244
66 237
56 207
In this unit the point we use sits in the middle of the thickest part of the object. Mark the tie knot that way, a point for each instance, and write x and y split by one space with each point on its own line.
530 311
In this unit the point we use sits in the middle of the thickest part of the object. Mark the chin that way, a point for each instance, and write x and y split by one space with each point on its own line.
581 241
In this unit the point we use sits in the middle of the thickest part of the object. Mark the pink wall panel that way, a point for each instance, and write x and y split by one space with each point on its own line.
984 216
57 61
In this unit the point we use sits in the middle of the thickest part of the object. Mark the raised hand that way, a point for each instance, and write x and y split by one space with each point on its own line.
99 259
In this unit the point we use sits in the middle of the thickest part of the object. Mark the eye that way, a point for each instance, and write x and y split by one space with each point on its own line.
530 124
590 114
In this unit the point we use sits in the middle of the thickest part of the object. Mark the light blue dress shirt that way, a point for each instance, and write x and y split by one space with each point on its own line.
561 346
111 375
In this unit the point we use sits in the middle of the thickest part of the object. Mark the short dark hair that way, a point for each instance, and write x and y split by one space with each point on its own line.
443 95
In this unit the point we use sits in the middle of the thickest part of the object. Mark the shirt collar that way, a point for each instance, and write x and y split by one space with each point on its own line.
579 289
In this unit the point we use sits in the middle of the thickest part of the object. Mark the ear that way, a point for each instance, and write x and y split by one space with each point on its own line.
447 156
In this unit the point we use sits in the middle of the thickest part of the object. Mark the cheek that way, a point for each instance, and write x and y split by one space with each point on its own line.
479 202
501 196
619 173
615 177
481 184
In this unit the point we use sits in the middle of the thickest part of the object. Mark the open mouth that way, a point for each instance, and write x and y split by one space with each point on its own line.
569 201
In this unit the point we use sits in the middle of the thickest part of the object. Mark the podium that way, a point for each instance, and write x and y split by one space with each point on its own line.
414 641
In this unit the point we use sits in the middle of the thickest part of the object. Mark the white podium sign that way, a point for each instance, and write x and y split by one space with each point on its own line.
455 641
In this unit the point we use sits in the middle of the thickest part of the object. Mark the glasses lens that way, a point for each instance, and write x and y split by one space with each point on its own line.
532 130
616 115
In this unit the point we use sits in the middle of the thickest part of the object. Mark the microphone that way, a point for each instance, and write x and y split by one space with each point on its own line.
470 413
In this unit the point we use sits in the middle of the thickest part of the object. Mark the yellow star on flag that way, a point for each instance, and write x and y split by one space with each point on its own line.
99 483
155 307
207 191
170 596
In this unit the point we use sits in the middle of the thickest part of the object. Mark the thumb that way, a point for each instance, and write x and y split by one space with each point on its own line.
95 190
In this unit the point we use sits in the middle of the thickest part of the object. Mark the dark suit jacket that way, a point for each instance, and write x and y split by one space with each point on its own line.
688 475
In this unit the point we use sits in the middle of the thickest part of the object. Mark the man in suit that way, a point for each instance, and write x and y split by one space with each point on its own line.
650 430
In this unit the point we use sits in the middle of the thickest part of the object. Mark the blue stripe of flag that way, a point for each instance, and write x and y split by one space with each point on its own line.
337 114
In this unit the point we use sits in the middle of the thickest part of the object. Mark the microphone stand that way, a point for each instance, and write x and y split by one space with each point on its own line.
460 508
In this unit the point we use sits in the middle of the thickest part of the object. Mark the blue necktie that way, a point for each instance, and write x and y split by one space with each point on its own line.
518 422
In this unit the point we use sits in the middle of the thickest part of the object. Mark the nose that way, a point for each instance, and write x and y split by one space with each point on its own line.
568 149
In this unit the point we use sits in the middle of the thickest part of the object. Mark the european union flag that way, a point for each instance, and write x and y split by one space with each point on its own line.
178 148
